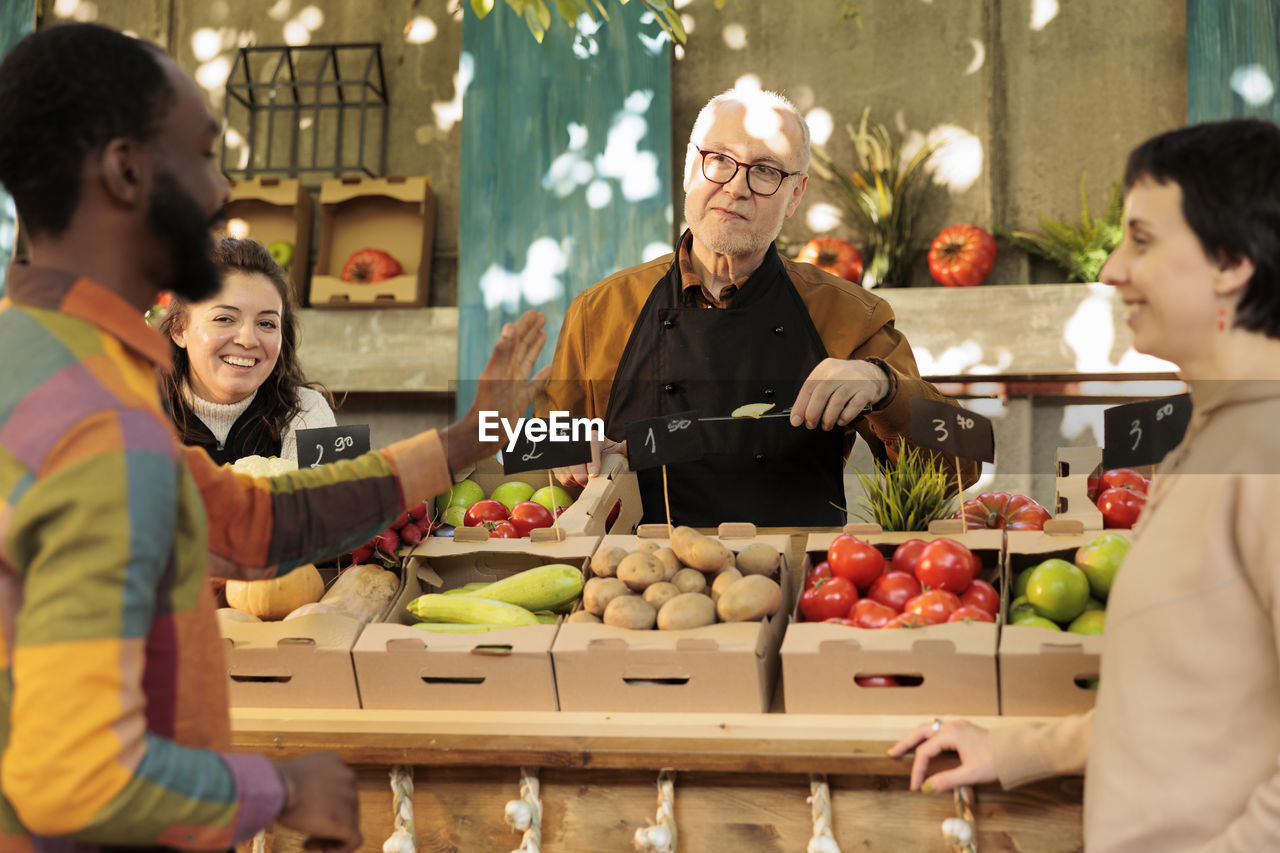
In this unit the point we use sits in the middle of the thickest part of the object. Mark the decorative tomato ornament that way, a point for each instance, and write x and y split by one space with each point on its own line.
856 560
945 564
828 598
962 256
834 256
996 510
1121 507
369 266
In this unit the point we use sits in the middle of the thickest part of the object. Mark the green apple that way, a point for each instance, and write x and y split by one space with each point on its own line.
1020 582
463 495
1100 559
1034 621
1093 604
1019 606
1088 622
1058 590
455 516
511 493
282 251
552 497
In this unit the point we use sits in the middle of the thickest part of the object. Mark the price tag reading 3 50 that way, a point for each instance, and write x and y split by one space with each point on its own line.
951 429
1143 433
664 441
329 444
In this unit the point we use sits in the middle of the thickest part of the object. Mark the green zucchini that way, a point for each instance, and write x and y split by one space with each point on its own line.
455 627
467 588
543 588
468 609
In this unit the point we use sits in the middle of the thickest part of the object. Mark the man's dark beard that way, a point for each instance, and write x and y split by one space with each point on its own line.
176 219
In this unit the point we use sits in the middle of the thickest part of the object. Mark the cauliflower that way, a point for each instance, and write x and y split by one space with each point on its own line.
262 466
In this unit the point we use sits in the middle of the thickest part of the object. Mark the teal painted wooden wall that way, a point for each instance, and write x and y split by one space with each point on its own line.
1233 60
566 168
17 18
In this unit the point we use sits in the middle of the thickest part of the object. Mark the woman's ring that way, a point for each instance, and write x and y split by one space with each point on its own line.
937 725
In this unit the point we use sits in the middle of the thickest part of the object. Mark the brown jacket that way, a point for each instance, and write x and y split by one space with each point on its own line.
852 322
1181 750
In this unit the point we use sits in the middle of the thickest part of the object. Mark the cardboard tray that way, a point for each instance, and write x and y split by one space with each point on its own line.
1042 672
401 667
1073 466
274 209
728 667
955 662
394 214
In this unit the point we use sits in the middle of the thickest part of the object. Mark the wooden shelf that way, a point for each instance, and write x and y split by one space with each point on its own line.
385 350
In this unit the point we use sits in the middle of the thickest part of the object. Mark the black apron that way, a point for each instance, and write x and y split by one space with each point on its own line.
683 357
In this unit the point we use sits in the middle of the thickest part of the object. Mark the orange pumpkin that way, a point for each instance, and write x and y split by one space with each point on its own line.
277 597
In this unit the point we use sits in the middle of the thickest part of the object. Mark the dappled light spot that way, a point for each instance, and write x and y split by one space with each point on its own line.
820 125
680 4
296 34
623 160
280 10
679 52
1091 332
212 75
312 18
305 122
420 30
1042 12
205 44
957 164
979 57
735 36
966 357
449 113
822 217
237 228
536 285
654 250
598 195
585 44
1253 85
688 22
747 82
65 8
655 43
1080 419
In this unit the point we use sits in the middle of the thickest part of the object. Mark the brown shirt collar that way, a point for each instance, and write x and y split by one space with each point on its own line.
690 281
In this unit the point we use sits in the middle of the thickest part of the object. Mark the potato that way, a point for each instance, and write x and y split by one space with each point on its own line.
670 562
758 558
690 580
687 610
722 580
647 545
660 593
638 570
749 599
604 563
699 552
630 611
583 616
598 592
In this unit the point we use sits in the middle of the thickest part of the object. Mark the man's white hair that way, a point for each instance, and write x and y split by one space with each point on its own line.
751 98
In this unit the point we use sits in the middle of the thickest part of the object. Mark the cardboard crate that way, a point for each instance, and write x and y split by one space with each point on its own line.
727 667
394 214
272 209
955 662
590 509
401 667
1073 466
1042 672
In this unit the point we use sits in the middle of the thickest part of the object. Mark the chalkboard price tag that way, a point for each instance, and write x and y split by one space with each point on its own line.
1143 433
664 441
528 454
329 444
951 429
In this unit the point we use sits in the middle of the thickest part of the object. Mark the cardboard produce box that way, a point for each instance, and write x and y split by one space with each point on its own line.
1042 671
270 210
1073 466
509 669
727 667
955 663
396 215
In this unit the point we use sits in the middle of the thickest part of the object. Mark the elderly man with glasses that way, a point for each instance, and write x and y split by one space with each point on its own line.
726 321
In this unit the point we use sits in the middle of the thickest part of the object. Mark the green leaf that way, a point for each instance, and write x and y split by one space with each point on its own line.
536 26
481 7
569 10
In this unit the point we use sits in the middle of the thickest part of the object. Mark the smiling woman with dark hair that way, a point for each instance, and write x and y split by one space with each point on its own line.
236 388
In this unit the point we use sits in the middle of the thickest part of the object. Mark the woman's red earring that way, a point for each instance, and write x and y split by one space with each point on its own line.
1222 319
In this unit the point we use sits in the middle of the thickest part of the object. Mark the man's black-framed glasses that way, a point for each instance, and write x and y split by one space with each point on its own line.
761 179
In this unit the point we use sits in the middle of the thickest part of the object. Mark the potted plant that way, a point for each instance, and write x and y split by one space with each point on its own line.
1078 249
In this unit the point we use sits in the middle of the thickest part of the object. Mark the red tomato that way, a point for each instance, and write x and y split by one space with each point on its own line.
856 560
1122 478
1121 507
962 256
894 589
487 510
945 564
983 596
828 597
933 607
502 530
871 614
528 515
996 510
906 554
970 614
876 681
906 620
822 570
1093 487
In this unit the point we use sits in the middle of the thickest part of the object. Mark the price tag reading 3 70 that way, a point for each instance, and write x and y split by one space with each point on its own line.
951 429
664 440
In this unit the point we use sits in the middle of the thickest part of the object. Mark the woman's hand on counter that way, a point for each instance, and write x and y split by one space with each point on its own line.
930 740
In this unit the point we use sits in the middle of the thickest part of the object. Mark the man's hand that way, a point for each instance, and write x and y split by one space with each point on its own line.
322 804
578 475
504 387
968 740
837 391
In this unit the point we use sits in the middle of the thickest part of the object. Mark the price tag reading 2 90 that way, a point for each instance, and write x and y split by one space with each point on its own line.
329 444
664 440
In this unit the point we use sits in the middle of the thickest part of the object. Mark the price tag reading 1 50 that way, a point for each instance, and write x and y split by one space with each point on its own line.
329 444
947 427
664 441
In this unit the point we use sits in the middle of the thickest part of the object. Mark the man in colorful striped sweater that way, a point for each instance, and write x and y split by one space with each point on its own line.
113 707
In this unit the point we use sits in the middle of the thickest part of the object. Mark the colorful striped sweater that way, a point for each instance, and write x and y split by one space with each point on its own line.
113 705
